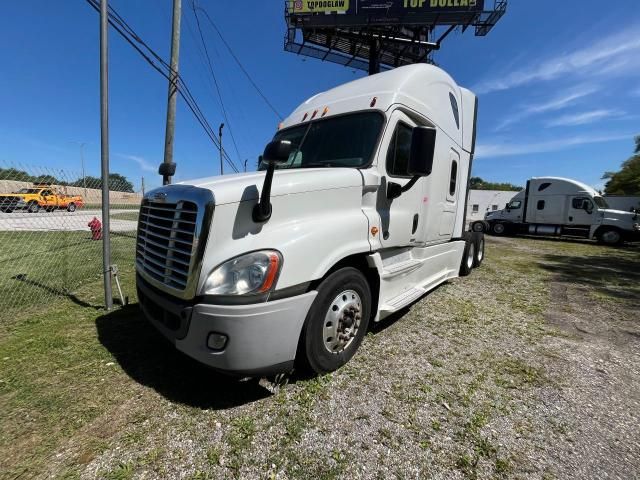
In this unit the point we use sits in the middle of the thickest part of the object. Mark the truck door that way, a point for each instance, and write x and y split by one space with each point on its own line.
580 211
401 217
448 217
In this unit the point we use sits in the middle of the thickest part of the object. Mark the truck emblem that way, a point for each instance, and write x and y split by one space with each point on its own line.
160 196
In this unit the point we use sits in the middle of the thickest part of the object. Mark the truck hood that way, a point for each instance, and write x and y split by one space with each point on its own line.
248 186
619 216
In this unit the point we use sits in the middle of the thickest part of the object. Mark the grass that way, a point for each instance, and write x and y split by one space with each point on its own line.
131 216
40 266
79 388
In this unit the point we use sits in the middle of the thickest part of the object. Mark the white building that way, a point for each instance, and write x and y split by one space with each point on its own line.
483 201
623 202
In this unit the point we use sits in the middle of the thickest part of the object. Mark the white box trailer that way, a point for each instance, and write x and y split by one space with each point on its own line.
562 207
360 212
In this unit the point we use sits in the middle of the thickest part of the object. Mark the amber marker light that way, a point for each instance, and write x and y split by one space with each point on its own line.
325 111
272 271
374 231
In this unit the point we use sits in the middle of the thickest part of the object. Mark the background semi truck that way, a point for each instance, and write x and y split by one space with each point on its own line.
360 212
562 207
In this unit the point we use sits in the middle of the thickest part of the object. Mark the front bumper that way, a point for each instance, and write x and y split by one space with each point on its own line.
261 338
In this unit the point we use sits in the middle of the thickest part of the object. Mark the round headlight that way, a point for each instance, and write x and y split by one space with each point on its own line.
254 272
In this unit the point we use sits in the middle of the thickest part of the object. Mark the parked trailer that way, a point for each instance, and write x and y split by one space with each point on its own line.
359 213
553 206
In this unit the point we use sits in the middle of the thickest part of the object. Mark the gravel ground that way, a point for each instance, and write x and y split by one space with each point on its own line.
528 368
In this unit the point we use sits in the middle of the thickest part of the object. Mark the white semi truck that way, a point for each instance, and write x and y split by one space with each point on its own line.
553 206
360 212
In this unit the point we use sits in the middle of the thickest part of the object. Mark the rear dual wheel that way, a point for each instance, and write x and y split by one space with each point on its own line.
337 321
478 239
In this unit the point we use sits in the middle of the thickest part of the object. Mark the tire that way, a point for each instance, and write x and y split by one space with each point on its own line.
343 300
468 255
499 228
610 236
71 207
33 208
478 239
478 227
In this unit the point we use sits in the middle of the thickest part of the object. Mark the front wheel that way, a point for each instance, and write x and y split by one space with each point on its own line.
337 321
499 228
33 208
71 207
610 236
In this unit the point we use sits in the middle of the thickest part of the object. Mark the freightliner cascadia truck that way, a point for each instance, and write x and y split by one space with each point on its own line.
357 212
554 206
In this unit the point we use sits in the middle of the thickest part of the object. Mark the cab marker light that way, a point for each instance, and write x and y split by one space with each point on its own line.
305 116
325 111
315 112
373 102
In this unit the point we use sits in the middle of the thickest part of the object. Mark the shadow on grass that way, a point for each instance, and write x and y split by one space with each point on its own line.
151 361
54 291
614 276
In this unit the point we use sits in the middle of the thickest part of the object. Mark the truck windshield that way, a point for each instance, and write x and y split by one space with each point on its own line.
344 141
601 202
28 190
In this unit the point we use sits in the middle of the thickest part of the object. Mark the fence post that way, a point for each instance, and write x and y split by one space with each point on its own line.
104 153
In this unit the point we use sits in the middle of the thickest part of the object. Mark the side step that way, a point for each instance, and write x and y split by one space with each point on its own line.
402 300
400 268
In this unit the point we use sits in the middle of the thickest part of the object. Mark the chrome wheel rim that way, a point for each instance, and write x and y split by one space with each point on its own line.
471 255
480 250
342 321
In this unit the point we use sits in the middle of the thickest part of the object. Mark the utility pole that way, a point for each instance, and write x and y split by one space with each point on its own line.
104 151
220 139
173 93
142 186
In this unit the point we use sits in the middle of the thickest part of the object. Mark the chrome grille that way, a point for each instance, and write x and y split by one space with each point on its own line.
173 221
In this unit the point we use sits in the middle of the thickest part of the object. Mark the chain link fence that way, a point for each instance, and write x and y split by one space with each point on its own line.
51 237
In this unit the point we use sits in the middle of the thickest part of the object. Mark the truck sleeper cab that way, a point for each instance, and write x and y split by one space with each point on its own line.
563 207
359 213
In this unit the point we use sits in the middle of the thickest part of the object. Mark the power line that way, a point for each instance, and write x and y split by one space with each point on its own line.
244 70
132 38
215 80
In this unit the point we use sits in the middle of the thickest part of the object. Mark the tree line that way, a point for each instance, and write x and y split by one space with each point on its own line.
626 181
477 183
116 182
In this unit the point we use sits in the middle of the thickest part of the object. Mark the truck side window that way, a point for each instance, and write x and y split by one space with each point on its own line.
514 205
475 208
399 150
46 193
454 107
540 205
454 178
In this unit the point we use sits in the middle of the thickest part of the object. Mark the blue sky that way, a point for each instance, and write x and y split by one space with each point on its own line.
559 86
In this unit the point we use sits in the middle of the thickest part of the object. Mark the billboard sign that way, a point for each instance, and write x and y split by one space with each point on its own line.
384 8
318 6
